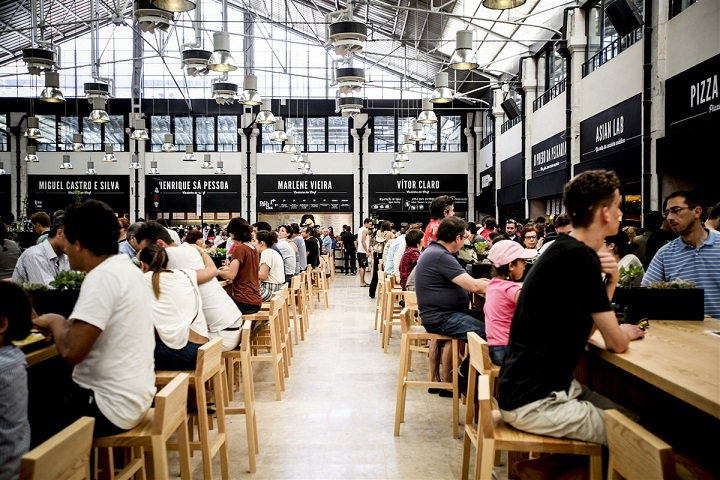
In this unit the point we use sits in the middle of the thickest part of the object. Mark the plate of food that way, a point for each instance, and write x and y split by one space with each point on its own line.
34 340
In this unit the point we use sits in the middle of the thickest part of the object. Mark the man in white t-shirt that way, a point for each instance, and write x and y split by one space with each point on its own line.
223 316
363 248
109 336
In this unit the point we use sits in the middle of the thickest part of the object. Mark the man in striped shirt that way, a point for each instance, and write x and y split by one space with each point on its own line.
694 255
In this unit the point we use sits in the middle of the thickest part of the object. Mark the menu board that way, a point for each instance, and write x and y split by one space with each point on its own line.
179 193
299 193
414 193
612 130
549 155
5 195
49 193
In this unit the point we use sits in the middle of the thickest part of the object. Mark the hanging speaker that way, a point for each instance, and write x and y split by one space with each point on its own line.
510 108
623 16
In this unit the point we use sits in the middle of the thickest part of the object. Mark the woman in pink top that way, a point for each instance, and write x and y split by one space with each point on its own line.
502 294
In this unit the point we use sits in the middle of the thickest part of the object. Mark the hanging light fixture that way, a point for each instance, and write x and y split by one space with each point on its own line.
296 158
463 58
250 95
279 134
52 93
90 168
174 5
221 59
394 171
265 116
31 154
2 168
290 148
66 164
33 128
189 155
219 170
427 116
418 134
109 156
441 94
98 113
397 164
502 4
140 133
77 145
135 162
401 157
406 146
169 144
206 164
153 168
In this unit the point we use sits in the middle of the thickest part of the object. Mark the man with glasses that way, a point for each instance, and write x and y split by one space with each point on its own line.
694 255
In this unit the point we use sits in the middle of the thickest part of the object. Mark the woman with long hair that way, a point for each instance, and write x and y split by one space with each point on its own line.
243 268
176 311
382 237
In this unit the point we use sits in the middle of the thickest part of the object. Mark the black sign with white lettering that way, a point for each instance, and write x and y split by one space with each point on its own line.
304 193
414 193
616 129
178 193
693 95
5 195
49 193
549 155
511 170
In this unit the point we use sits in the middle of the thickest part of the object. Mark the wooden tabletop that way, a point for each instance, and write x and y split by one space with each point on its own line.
679 357
40 355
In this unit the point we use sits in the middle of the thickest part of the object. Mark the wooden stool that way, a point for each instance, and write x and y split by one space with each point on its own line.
66 455
636 454
493 434
168 416
269 340
239 359
390 313
295 307
302 298
309 283
320 286
208 369
379 296
284 323
412 333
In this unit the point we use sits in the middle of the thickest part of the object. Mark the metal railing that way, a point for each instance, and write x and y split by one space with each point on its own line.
611 51
486 141
509 124
549 94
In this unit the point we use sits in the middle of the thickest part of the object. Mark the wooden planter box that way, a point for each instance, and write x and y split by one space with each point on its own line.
61 302
660 304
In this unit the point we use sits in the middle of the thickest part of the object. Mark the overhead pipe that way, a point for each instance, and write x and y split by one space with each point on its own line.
568 98
95 47
361 134
197 23
647 110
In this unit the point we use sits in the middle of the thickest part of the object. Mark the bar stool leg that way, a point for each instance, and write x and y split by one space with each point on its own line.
402 388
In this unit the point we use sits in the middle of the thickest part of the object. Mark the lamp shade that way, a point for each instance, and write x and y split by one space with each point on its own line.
441 94
463 57
220 170
265 116
98 113
77 145
174 5
427 116
66 164
109 154
169 143
153 168
221 59
90 168
52 93
189 155
502 4
250 95
135 162
31 154
33 128
207 163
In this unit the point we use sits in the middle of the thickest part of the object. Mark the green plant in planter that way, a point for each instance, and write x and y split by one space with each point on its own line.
481 248
630 276
68 280
32 287
678 283
220 252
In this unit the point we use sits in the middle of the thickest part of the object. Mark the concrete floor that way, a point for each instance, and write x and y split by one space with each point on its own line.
336 418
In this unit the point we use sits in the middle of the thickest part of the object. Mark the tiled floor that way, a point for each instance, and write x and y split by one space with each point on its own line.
336 418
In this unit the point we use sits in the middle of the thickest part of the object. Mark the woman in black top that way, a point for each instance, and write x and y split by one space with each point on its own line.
312 246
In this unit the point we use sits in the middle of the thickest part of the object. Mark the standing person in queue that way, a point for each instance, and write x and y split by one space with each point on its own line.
363 240
349 248
382 237
109 335
537 391
312 246
443 206
301 255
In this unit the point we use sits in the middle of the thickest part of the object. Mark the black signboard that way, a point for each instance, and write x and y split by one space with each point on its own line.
5 195
549 155
299 193
511 170
414 193
178 193
48 193
616 129
693 95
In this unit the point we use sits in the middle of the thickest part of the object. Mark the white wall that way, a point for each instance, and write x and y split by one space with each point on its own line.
509 143
547 121
485 158
420 162
326 163
693 36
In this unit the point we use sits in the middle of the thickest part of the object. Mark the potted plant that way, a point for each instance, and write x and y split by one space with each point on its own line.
675 300
218 256
61 299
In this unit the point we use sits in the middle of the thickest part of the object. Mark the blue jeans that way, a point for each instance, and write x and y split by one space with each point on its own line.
167 358
497 354
457 325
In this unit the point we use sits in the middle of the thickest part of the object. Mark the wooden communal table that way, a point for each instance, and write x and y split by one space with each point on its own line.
681 358
41 354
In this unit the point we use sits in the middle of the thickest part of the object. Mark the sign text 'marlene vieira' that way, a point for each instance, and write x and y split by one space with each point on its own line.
304 185
94 185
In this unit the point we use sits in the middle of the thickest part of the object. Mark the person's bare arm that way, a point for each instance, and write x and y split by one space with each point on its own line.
609 266
473 285
264 272
617 337
74 340
229 272
210 271
366 247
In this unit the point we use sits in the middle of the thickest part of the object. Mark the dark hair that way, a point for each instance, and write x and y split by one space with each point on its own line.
413 237
385 226
7 218
295 228
239 229
472 226
622 243
153 231
133 229
490 223
562 220
94 225
691 198
367 220
714 212
193 236
40 218
156 259
58 222
124 223
587 192
4 235
541 220
439 205
16 308
495 236
306 216
262 226
450 228
287 228
267 237
309 230
163 222
503 271
510 220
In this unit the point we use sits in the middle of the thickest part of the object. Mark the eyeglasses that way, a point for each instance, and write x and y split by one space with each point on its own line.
531 237
674 211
